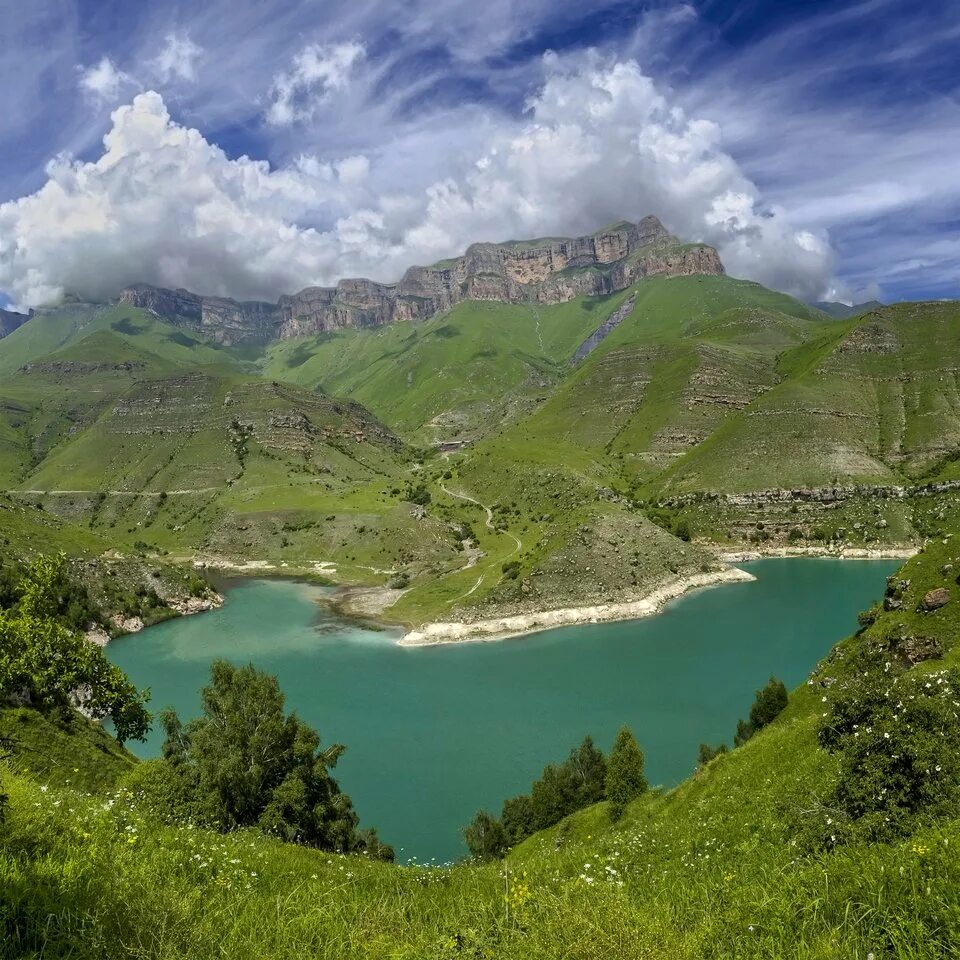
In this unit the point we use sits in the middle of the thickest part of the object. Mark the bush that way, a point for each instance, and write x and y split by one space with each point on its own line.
706 753
866 618
511 570
418 494
898 742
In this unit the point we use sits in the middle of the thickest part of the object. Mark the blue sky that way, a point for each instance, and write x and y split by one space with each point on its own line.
255 147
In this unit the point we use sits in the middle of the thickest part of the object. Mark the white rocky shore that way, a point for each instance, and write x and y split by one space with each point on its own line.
185 606
499 629
839 553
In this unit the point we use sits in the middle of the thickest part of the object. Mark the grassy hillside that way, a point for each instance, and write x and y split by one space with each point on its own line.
457 375
720 866
56 330
692 351
875 401
705 386
118 434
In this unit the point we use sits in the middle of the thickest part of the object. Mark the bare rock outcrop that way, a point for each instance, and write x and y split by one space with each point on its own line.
544 271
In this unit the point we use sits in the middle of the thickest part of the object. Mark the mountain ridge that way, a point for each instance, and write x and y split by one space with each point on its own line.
542 271
10 320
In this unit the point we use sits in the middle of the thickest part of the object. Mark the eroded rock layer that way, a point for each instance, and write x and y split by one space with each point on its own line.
538 271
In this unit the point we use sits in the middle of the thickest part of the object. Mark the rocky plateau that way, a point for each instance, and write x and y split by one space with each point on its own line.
545 271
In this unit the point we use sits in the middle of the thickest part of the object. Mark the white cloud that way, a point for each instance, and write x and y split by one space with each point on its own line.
177 59
597 142
103 81
317 71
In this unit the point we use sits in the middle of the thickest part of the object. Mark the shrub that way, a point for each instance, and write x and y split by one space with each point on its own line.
898 741
866 618
706 753
418 494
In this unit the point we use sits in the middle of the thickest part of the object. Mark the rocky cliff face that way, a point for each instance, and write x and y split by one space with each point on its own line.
9 321
538 271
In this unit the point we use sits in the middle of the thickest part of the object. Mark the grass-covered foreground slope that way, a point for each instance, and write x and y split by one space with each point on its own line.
747 858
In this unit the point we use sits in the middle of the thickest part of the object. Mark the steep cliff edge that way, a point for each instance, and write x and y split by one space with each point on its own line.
543 271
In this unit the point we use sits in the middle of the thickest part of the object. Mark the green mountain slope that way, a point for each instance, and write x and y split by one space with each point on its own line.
572 415
52 331
874 402
691 352
118 433
457 375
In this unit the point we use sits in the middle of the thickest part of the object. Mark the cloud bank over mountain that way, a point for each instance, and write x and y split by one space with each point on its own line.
597 141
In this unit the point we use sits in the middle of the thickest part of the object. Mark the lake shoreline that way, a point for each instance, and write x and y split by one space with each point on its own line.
517 625
845 553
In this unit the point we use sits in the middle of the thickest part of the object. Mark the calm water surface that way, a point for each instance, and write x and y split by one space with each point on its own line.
435 734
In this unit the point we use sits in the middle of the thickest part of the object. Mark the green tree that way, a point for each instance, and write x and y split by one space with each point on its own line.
561 789
248 763
767 705
552 797
47 665
587 769
770 702
625 776
517 818
706 753
485 837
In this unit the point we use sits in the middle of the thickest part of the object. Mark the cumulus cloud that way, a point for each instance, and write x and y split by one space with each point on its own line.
597 142
316 72
177 59
103 81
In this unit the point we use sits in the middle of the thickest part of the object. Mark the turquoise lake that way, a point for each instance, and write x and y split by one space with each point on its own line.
433 734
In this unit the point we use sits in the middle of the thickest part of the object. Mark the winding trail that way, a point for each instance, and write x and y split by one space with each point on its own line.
489 512
490 527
